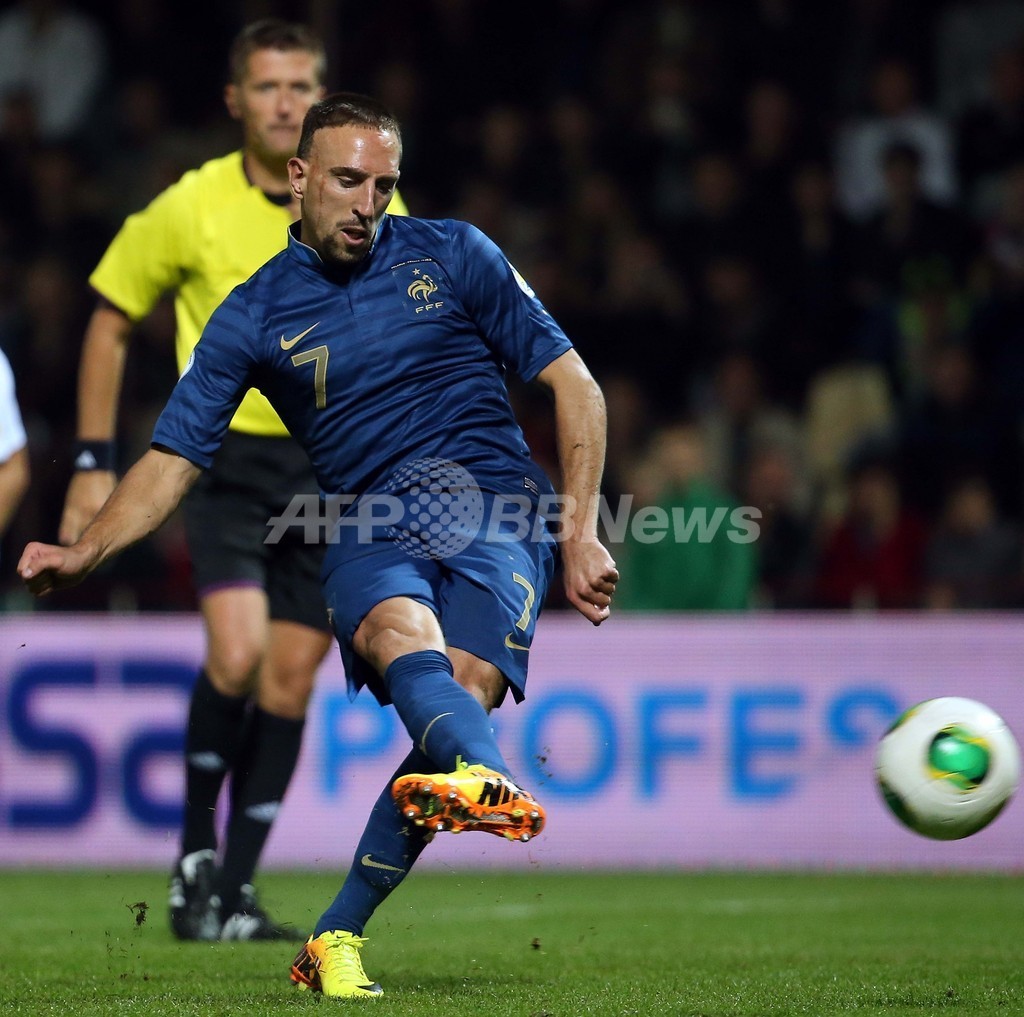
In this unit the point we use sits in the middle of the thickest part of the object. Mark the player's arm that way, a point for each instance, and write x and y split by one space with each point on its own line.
139 505
100 374
14 460
580 428
14 479
147 257
517 325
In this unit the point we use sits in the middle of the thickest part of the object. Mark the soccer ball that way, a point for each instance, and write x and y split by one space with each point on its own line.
947 767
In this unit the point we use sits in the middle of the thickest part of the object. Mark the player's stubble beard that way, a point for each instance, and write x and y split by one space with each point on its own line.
337 252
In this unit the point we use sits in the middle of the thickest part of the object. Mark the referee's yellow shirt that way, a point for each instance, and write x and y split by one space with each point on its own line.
200 238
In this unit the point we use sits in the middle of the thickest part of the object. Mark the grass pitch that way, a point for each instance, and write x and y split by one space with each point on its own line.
538 945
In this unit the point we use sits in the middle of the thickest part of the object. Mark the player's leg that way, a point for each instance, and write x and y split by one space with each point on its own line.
401 639
489 607
474 794
379 599
263 771
235 621
387 851
438 712
225 517
391 843
299 638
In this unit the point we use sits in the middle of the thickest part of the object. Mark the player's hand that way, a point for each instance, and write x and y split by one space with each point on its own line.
590 576
87 492
48 567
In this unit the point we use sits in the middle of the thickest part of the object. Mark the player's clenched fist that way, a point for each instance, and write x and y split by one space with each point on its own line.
590 576
46 567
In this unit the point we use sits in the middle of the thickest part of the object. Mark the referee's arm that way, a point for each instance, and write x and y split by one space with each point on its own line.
99 390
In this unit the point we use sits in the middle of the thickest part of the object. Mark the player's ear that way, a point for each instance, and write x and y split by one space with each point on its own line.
297 176
231 101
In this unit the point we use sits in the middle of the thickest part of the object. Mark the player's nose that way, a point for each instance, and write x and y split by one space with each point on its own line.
363 200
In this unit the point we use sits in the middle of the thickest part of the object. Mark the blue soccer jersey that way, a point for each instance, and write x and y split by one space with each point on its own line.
399 359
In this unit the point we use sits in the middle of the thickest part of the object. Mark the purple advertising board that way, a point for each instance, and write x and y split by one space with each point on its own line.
684 741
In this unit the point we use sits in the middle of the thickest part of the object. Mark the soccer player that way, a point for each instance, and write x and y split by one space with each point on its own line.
264 617
383 341
14 464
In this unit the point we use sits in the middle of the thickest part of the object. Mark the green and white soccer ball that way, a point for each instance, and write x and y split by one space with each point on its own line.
947 767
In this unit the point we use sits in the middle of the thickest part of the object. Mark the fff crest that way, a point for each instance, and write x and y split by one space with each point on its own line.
420 284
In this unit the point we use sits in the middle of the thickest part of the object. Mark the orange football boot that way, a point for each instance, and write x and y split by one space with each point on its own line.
471 798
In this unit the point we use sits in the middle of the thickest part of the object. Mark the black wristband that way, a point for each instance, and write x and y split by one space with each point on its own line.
95 455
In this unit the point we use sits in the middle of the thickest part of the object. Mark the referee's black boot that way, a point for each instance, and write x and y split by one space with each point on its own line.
192 912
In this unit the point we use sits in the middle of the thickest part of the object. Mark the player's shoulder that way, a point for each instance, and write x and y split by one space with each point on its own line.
6 374
270 280
441 233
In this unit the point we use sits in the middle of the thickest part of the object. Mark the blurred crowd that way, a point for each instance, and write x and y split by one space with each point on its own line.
787 236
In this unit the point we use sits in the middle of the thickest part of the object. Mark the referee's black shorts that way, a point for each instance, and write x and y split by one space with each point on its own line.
253 478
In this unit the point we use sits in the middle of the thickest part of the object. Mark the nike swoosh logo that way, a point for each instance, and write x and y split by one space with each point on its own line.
367 860
423 740
515 646
287 344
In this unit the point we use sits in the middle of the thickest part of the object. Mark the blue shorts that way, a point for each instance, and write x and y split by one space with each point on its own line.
487 595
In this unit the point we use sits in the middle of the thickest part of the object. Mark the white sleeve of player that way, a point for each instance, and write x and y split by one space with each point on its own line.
12 431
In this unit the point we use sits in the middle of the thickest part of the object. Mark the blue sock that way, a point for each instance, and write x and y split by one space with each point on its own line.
445 721
387 851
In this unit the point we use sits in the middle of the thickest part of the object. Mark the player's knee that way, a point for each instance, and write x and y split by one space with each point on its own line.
233 669
285 699
286 687
381 642
484 682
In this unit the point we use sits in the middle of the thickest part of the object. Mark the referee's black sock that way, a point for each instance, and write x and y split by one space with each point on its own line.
258 782
212 741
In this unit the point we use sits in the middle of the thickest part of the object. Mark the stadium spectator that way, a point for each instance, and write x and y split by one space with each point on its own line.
896 117
788 41
664 137
740 419
910 240
811 274
990 134
55 57
997 327
954 427
874 559
66 217
411 625
575 141
786 541
967 35
772 147
850 410
974 557
720 222
684 550
868 32
630 422
643 299
736 313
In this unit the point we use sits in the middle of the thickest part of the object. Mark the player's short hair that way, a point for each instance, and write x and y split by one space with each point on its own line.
342 108
273 33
